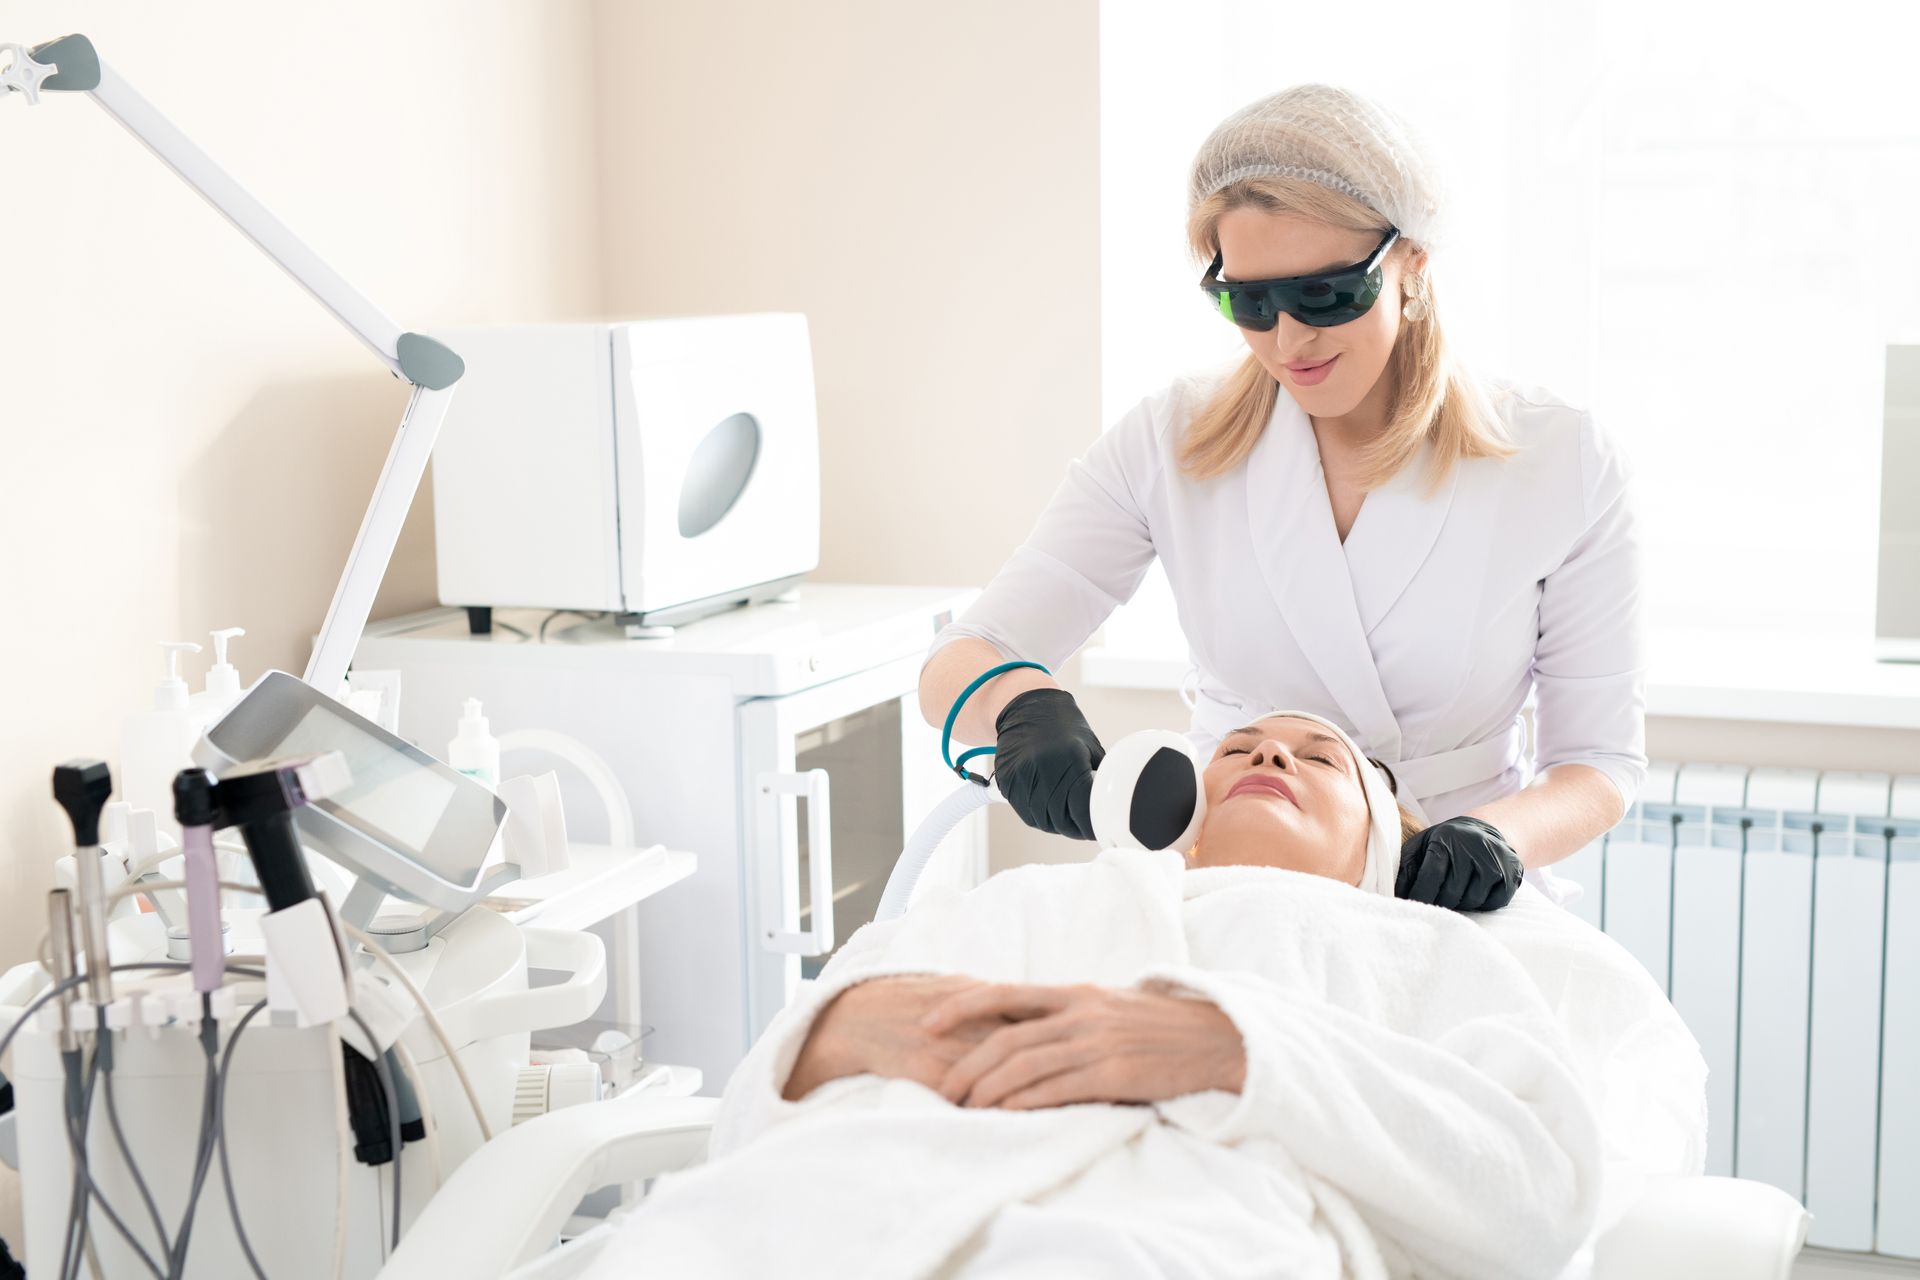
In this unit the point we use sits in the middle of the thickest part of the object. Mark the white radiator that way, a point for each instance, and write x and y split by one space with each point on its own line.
1780 911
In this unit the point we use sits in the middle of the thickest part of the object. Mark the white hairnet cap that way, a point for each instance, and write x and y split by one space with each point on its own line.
1383 811
1331 137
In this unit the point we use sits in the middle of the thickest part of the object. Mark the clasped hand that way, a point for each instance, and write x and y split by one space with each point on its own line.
1022 1046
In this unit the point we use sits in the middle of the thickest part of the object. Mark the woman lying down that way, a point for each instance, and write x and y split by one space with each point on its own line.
1253 1062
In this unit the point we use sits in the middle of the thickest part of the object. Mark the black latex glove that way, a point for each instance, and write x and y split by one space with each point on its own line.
1462 864
1044 758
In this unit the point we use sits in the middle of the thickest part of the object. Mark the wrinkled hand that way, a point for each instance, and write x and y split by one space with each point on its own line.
1085 1043
1462 864
873 1027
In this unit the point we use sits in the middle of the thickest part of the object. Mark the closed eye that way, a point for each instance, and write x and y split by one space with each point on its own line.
1326 760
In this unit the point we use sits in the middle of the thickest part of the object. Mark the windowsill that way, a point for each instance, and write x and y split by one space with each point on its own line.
1789 678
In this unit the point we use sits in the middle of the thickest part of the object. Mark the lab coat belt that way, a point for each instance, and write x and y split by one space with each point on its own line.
1424 777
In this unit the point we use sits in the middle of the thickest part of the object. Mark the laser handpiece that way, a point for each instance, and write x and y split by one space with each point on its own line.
82 788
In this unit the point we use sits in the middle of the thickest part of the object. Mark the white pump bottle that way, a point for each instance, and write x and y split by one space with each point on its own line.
223 684
157 744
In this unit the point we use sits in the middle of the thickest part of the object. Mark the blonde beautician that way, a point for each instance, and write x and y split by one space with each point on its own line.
1350 522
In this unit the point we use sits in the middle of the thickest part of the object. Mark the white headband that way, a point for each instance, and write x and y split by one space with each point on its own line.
1383 811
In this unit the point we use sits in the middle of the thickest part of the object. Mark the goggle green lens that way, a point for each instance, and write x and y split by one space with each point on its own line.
1323 300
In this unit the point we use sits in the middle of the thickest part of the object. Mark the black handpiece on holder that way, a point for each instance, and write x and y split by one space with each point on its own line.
82 788
260 799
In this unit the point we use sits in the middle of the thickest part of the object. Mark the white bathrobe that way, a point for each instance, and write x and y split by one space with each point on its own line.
1423 634
1411 1107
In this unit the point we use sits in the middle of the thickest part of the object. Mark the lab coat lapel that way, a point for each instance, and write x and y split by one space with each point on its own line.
1300 556
1394 534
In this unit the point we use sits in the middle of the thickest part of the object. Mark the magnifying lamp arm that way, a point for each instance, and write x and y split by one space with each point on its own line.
71 64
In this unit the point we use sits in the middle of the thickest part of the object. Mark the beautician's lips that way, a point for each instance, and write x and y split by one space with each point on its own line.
1262 782
1313 374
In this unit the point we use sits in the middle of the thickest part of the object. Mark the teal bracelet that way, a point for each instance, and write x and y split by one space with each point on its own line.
946 733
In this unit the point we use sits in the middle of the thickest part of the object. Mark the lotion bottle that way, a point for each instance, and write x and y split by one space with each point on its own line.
474 751
223 684
157 744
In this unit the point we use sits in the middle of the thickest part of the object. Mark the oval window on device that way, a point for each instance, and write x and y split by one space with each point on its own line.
718 472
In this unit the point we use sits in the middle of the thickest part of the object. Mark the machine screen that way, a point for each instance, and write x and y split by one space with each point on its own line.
390 791
407 820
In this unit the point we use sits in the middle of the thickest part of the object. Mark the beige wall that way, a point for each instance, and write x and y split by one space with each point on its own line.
923 183
187 441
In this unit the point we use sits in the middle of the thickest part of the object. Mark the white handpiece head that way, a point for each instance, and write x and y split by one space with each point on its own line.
1149 794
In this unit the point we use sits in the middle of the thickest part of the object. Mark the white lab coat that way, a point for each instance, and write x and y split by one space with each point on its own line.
1422 635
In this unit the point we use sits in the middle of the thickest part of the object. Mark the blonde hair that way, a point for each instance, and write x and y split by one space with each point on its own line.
1432 398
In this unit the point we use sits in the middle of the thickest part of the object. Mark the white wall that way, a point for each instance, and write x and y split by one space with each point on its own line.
187 441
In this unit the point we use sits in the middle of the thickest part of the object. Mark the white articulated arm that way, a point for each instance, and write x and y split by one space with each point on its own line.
72 65
506 1204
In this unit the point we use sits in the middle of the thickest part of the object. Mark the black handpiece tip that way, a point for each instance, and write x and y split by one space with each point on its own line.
82 788
193 798
1164 799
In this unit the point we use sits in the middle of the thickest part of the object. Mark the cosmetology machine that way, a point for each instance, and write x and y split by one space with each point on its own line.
370 1034
656 469
358 1087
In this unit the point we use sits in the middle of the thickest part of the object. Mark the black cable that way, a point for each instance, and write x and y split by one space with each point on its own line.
220 1139
578 613
393 1113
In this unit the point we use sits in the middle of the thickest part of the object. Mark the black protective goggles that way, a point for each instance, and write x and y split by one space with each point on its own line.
1321 300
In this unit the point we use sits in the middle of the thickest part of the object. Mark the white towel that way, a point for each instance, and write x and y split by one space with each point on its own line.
1411 1105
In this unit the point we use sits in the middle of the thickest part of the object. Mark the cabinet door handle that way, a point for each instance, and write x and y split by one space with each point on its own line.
812 786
